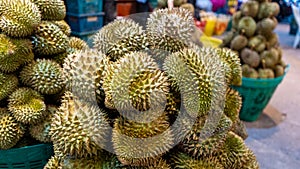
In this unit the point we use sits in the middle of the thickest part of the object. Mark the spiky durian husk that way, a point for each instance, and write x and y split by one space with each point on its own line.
51 9
83 71
78 129
176 23
40 131
27 105
181 160
10 130
138 42
60 58
45 76
8 83
49 39
19 18
54 162
137 143
114 32
233 104
159 163
138 85
82 163
14 53
63 25
200 78
77 43
235 154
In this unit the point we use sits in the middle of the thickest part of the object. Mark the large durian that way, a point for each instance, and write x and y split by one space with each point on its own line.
19 18
77 43
44 75
51 9
63 25
49 39
27 105
10 130
233 104
8 83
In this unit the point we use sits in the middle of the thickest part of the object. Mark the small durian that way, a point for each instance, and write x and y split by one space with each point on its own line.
233 104
8 84
114 32
250 57
279 70
77 43
227 39
250 8
49 39
265 26
272 40
63 25
51 9
177 23
247 26
269 58
78 129
275 9
267 9
257 43
11 131
249 71
238 42
266 73
55 162
138 143
19 18
45 76
236 17
27 105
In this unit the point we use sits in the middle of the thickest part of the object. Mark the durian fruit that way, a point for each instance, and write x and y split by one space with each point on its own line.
269 58
14 53
268 9
176 23
60 58
227 39
250 8
8 84
82 163
27 105
78 129
181 160
77 43
40 131
45 76
11 131
233 104
49 39
114 32
249 71
139 143
238 42
51 9
266 73
54 162
236 155
250 57
265 26
159 163
272 40
257 43
247 26
63 25
236 17
279 70
19 18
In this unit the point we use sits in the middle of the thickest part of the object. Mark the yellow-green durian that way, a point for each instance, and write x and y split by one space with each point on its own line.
77 43
19 18
27 105
79 129
8 83
51 9
45 76
233 104
114 32
54 162
63 25
11 131
140 143
49 39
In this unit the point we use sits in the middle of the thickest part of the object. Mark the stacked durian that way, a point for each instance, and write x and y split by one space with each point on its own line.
253 37
150 98
34 40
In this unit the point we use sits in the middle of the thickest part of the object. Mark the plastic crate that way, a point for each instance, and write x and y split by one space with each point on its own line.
29 157
85 22
86 36
84 6
256 94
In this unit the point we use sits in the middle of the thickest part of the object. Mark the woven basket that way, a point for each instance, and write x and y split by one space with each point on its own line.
29 157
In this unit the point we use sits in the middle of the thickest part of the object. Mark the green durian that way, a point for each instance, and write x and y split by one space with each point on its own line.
227 39
249 71
8 84
269 58
51 9
266 73
27 105
272 40
250 57
63 25
257 43
236 17
279 70
247 26
265 26
78 129
77 43
275 9
233 104
114 32
11 131
19 18
238 42
268 9
139 143
45 76
54 162
250 8
49 39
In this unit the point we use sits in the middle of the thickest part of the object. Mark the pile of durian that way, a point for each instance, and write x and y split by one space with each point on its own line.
253 37
34 40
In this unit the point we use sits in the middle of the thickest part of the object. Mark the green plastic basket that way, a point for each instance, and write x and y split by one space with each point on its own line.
29 157
256 94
